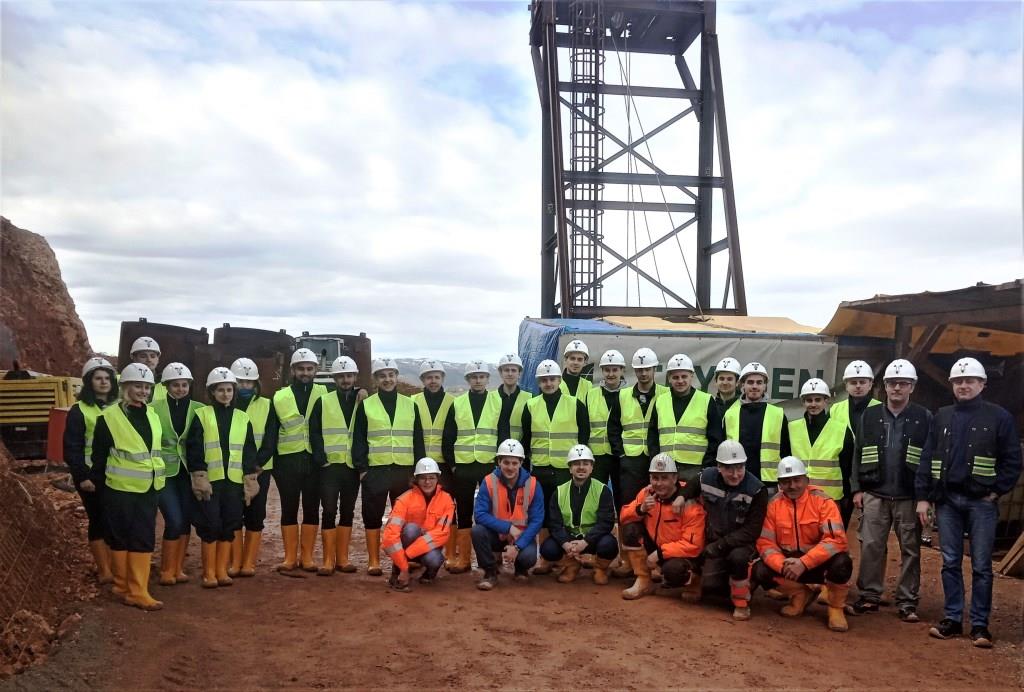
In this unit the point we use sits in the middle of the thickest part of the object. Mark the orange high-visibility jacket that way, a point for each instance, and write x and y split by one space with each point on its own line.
676 535
809 527
435 518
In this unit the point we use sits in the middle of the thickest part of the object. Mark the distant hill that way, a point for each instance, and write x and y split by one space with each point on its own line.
454 380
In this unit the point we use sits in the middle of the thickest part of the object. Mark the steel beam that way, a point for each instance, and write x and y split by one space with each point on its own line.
555 145
705 162
643 179
624 90
612 205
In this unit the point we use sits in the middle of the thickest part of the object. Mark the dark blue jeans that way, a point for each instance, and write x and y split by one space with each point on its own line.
487 542
175 505
956 513
606 548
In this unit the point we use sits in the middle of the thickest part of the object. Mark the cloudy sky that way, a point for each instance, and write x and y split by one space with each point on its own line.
375 167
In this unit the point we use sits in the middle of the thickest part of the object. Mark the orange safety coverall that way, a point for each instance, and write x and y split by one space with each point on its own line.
676 535
435 518
809 528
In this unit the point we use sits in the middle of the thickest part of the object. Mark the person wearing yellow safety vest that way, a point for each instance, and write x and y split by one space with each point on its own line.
330 435
126 460
582 518
552 424
387 439
221 456
858 378
726 373
574 377
513 399
603 404
146 351
685 423
825 444
432 407
175 411
760 427
98 383
245 548
286 440
627 435
468 444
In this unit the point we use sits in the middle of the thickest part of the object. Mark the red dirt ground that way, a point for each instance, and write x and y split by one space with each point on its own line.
352 631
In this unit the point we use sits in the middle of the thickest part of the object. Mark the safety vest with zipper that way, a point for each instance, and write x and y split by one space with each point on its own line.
771 437
686 439
552 438
476 441
634 421
213 454
294 434
390 442
133 466
821 458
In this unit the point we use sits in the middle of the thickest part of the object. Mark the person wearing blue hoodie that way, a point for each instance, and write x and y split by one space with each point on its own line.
508 514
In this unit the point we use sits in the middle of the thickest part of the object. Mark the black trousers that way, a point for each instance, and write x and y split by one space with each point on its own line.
339 487
379 484
467 480
218 518
837 570
130 519
255 514
633 477
93 504
603 464
297 482
549 478
675 571
734 564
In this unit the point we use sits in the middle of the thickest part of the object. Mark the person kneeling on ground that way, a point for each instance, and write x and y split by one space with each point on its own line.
507 516
803 542
656 534
419 526
582 518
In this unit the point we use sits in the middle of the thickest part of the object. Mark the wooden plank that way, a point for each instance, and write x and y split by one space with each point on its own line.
1012 564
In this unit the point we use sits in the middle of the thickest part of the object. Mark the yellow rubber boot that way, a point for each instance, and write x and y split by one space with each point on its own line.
643 585
542 566
101 555
250 553
624 569
451 552
181 577
373 552
223 560
290 536
570 568
138 582
836 607
601 570
119 568
169 562
307 545
237 550
209 557
799 596
465 540
330 545
342 563
823 596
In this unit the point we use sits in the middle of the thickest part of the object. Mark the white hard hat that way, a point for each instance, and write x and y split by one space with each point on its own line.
343 364
549 368
858 368
511 448
968 367
383 364
426 465
728 364
815 386
511 359
176 371
679 361
731 452
579 452
136 372
95 363
662 463
431 366
576 346
790 467
245 369
753 369
475 366
612 357
645 358
220 375
900 369
144 343
304 355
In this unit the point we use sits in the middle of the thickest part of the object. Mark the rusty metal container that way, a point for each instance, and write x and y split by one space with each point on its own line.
177 344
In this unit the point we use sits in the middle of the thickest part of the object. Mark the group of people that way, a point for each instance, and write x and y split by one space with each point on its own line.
659 483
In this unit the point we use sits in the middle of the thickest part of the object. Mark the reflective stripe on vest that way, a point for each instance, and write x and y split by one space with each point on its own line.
335 429
433 429
212 453
588 516
517 515
582 388
293 437
515 419
258 412
686 439
821 458
771 438
597 410
635 422
476 442
551 440
390 443
172 445
90 412
132 465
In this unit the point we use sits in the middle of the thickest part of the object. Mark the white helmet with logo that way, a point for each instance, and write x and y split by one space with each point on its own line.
476 366
576 346
95 363
858 368
662 463
304 355
548 368
815 386
731 452
612 357
728 364
219 376
753 369
511 448
431 366
790 467
511 359
144 343
645 358
343 364
176 371
136 372
245 369
426 465
900 369
968 367
380 364
579 452
679 361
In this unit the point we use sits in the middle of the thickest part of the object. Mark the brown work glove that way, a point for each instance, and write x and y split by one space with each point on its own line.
201 487
251 487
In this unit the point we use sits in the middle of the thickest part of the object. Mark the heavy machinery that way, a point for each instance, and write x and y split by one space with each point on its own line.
25 411
331 346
